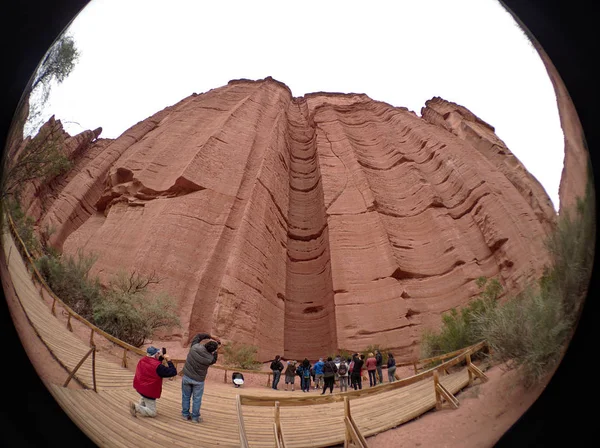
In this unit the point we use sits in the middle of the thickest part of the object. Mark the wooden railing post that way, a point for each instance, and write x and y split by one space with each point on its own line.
92 344
242 428
69 326
468 359
225 376
269 380
53 310
124 362
94 367
277 425
72 374
415 366
348 436
438 399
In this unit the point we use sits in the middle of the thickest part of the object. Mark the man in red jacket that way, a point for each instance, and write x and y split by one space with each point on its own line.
147 381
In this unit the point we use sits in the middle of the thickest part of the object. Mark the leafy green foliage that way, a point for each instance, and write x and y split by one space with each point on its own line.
462 329
42 158
24 225
68 277
58 63
131 313
530 331
242 356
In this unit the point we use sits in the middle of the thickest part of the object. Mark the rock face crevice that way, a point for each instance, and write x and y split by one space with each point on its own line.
304 225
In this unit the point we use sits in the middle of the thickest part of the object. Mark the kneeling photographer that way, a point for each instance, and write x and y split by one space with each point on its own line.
149 374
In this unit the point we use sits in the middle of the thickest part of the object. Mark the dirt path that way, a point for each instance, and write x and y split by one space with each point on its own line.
486 411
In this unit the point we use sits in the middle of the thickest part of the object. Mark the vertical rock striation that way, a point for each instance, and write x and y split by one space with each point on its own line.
304 225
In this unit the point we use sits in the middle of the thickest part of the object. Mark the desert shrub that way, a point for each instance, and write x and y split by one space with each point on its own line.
242 356
24 225
344 354
372 348
68 277
571 248
461 329
130 312
527 332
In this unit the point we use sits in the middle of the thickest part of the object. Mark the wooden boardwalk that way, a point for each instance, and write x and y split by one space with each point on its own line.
104 415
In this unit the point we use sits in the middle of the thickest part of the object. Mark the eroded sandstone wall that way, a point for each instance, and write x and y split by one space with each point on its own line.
305 225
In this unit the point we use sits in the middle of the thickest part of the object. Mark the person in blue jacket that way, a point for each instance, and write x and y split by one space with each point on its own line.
319 373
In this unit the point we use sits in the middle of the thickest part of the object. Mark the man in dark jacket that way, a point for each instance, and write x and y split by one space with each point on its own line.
200 357
276 367
147 381
379 365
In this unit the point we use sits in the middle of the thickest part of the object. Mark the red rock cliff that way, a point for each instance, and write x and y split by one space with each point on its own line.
304 225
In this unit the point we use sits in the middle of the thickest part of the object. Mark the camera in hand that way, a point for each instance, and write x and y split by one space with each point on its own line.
164 352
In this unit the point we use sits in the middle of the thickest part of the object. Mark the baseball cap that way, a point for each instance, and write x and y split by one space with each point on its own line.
152 350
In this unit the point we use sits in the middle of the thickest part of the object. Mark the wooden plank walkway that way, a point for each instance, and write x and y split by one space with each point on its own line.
67 348
105 418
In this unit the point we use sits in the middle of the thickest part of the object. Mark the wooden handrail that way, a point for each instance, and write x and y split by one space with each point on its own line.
94 329
74 371
277 428
352 433
257 400
140 352
242 427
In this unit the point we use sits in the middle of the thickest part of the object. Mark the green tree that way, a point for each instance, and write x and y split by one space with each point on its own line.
42 158
57 64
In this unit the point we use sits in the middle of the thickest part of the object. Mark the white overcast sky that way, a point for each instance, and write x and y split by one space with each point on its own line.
139 56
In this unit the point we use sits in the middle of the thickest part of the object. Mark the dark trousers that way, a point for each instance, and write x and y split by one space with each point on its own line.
356 381
276 375
328 384
380 374
305 383
372 378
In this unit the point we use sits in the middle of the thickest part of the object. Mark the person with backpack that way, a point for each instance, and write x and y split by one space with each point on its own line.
357 371
343 374
303 372
318 368
290 374
391 365
371 365
276 367
379 365
329 371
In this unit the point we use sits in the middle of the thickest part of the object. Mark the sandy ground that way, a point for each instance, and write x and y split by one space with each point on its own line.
486 410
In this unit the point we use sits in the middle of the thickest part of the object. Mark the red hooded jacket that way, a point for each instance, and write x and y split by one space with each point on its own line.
146 381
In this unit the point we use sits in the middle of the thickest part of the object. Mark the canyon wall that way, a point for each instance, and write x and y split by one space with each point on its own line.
303 225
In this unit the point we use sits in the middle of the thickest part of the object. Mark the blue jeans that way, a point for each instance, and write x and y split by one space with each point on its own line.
194 390
276 375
